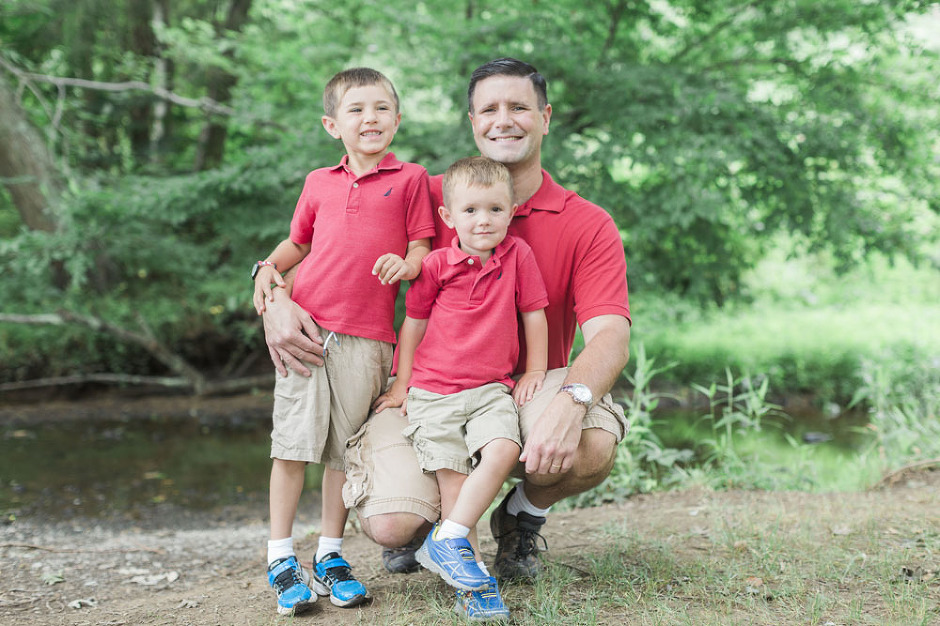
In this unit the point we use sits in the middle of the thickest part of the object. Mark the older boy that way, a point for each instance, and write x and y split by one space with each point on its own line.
458 348
369 216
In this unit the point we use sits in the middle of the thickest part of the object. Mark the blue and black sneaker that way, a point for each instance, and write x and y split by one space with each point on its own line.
483 605
453 559
289 581
332 576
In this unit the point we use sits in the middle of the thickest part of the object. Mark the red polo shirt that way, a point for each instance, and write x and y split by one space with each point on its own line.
349 222
473 326
578 249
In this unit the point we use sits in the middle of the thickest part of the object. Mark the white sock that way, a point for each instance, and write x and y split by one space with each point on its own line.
280 549
519 502
452 530
328 545
483 567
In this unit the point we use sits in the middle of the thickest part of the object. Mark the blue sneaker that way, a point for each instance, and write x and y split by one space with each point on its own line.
332 576
289 581
483 605
454 560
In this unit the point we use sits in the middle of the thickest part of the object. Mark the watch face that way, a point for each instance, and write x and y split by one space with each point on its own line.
581 393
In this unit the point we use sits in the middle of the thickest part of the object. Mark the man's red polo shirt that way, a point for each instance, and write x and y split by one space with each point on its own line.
578 249
350 222
473 326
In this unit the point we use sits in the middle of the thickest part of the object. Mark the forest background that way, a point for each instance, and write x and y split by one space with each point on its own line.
772 165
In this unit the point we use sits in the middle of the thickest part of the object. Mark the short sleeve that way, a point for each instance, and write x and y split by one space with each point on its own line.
600 277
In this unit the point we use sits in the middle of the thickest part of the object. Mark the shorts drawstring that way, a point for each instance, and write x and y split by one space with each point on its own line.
326 344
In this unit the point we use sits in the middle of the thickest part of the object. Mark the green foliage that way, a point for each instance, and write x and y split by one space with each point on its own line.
706 129
902 394
643 463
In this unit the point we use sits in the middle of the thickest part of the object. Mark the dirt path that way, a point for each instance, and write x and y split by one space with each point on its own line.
183 569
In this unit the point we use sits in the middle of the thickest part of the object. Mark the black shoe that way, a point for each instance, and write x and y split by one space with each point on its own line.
517 537
402 560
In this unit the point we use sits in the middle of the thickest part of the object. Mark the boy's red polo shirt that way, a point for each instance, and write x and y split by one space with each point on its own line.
350 222
473 326
578 249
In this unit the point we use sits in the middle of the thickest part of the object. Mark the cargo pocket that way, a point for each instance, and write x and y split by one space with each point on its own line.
358 476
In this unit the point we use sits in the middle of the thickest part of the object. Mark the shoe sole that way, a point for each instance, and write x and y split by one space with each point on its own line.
424 558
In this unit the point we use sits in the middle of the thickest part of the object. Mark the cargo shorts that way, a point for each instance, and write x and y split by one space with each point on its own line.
382 470
447 430
314 416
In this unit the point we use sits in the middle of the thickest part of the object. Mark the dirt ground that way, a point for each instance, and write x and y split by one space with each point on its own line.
181 568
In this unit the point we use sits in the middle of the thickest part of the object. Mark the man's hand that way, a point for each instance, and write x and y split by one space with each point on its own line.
391 268
553 441
291 334
397 395
528 384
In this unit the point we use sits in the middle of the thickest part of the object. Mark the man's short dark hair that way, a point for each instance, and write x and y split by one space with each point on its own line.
509 67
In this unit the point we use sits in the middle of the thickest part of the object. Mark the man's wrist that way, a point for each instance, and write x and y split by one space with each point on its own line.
578 393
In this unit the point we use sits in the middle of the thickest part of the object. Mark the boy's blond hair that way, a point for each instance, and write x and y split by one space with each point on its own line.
354 77
476 171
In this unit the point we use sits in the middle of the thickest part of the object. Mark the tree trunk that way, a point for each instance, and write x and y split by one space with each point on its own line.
162 72
26 166
142 42
211 148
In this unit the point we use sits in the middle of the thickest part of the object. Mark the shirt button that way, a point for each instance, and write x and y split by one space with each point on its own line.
355 185
469 261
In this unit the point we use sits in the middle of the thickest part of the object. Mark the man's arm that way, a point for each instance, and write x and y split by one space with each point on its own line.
554 439
291 334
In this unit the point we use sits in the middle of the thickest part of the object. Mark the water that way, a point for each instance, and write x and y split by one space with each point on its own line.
119 467
94 468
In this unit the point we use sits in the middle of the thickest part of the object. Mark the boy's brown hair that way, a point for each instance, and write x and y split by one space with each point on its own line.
478 171
354 77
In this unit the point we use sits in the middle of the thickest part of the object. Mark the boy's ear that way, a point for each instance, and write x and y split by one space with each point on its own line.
330 125
445 215
512 211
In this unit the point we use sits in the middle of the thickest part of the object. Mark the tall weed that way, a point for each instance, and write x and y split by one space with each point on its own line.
903 399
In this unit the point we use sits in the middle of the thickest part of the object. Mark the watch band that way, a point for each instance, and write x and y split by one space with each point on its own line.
258 265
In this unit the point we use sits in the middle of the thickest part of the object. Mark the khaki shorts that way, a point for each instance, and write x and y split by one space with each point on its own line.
382 470
313 417
448 430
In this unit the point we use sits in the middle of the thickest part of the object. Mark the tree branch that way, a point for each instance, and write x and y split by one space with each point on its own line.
146 340
717 28
206 104
189 376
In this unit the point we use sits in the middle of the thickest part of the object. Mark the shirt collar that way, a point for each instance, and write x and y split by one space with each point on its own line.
456 256
550 196
388 162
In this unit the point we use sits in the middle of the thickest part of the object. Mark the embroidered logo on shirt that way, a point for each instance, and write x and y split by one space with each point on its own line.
388 193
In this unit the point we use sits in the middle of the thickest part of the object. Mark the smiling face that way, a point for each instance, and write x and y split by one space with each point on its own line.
366 120
480 215
508 124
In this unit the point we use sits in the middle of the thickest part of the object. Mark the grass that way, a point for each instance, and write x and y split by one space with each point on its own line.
805 328
703 558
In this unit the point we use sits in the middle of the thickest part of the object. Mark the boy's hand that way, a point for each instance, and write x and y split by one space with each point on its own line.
391 268
527 386
263 291
397 395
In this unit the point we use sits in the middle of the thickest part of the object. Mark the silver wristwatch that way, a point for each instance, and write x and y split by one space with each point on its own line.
579 393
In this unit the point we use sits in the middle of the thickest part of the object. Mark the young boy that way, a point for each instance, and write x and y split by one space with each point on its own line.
457 350
359 228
